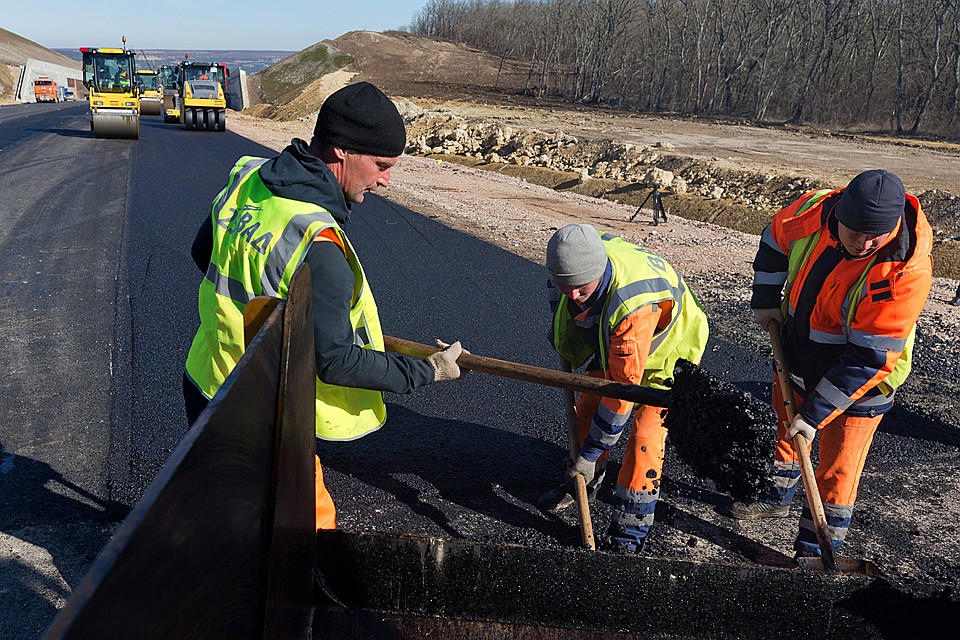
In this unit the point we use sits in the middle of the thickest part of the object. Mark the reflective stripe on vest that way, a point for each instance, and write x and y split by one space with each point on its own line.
259 241
639 278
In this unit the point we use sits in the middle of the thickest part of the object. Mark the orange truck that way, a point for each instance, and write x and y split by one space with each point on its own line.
45 90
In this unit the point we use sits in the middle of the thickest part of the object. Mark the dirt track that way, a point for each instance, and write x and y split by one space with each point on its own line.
738 174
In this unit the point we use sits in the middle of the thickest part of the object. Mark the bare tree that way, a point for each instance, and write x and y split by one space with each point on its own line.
930 24
834 62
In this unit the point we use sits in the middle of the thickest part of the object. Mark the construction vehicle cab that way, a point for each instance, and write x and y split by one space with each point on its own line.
110 78
45 90
203 104
151 93
169 76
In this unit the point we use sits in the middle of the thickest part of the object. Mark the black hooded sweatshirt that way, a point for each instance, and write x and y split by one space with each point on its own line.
296 174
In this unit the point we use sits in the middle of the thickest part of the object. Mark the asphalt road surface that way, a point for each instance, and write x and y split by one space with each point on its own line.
98 307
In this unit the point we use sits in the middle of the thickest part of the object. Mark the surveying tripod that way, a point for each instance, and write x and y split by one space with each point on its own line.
659 214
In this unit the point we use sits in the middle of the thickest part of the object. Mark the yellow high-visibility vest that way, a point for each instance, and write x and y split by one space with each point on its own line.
259 241
639 278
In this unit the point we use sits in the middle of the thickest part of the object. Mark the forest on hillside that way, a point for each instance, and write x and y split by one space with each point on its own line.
883 65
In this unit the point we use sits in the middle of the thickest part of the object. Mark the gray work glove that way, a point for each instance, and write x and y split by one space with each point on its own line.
584 468
763 317
801 426
444 362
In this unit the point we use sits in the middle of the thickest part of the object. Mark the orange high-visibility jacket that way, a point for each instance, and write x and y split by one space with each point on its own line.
849 322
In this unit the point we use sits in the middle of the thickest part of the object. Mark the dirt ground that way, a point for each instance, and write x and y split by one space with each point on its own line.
495 207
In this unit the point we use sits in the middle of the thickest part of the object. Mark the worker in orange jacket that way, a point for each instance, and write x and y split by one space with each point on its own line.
845 273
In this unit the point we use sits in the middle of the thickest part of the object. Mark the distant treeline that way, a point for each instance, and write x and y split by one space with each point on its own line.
871 64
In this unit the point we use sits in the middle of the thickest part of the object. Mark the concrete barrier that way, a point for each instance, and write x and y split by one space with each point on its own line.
58 73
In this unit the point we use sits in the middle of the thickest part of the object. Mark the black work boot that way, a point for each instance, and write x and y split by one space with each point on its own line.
758 509
561 497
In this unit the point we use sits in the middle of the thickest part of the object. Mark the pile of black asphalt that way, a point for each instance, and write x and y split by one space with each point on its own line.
723 433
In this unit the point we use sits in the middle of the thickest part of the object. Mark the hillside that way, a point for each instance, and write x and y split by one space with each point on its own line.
14 52
399 63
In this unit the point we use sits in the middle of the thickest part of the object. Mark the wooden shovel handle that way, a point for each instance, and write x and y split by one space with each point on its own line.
548 377
828 556
583 509
579 482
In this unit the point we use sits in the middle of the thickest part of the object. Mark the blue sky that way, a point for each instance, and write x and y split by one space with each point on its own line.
289 25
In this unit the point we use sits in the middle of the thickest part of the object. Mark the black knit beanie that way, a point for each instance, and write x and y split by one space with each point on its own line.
872 203
361 118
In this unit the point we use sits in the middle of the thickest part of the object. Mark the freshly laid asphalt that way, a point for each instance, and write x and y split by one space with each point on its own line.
99 305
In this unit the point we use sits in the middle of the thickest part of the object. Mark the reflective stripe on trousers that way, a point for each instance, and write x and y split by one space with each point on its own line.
843 446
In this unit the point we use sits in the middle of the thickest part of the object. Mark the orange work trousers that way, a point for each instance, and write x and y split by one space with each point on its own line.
643 459
326 511
844 443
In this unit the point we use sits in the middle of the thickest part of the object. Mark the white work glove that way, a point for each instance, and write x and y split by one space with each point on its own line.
763 317
801 426
584 468
443 345
444 362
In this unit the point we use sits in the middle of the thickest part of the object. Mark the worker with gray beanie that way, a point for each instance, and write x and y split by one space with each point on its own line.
842 275
278 214
623 314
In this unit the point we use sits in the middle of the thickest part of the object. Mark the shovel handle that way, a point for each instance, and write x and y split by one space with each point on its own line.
828 556
579 482
549 377
583 508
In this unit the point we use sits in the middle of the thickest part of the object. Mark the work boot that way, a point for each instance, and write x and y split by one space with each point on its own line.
561 497
557 499
758 509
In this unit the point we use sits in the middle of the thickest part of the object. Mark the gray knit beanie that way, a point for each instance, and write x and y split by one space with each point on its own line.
575 256
872 203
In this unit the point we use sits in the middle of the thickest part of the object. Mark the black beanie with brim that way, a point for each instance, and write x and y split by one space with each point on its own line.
361 118
872 203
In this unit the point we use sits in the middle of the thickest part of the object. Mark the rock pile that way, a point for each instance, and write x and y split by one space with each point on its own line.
439 132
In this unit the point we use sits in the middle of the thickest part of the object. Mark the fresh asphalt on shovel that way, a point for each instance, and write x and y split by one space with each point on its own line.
724 434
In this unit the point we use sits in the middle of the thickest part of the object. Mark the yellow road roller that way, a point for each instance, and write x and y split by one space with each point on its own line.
151 93
169 75
109 76
203 104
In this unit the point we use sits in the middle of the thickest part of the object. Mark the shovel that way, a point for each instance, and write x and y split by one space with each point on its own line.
579 482
828 560
548 377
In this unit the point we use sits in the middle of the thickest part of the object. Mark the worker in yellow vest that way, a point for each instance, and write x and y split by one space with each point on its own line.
279 213
625 314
